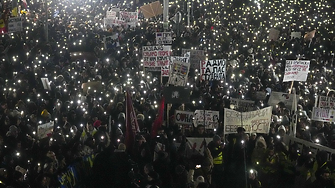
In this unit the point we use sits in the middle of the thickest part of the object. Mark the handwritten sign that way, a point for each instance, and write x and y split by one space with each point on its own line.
296 70
323 114
210 117
326 102
257 121
156 56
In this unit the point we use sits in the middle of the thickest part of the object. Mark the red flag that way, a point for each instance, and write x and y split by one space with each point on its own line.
159 119
131 123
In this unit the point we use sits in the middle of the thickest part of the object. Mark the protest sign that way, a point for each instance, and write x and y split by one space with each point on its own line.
274 34
286 98
110 22
163 38
257 121
323 114
45 129
326 102
213 70
165 71
295 35
129 18
242 105
196 56
179 71
176 94
14 24
196 146
210 117
112 13
95 87
184 117
152 9
296 70
156 56
46 83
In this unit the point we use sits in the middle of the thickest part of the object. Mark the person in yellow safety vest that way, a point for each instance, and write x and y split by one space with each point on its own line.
216 147
270 167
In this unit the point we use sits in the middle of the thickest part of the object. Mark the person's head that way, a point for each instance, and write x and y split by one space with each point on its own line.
271 151
253 136
217 139
140 139
148 168
201 129
252 174
240 131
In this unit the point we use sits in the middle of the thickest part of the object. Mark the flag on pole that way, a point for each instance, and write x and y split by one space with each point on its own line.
310 35
159 119
131 123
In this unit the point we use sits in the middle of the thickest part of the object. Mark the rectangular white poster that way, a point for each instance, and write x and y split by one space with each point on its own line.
15 24
286 98
129 18
211 118
184 117
178 72
296 70
45 129
326 102
213 70
196 56
257 121
163 38
242 105
323 114
156 56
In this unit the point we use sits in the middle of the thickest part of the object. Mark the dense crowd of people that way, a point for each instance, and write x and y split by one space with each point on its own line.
93 123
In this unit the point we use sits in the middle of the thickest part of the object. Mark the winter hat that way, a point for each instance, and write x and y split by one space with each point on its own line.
140 117
97 124
282 127
122 115
216 138
122 147
199 180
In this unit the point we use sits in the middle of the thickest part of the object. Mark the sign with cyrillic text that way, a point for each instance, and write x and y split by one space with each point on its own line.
213 70
296 70
163 38
257 121
156 56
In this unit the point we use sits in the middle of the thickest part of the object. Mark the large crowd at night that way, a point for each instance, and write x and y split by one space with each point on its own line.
67 70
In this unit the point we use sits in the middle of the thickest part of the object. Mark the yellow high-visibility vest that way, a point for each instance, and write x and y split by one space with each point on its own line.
219 159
